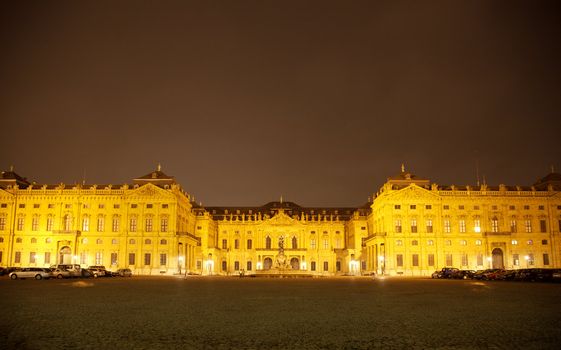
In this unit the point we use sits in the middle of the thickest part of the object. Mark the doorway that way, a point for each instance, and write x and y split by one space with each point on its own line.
65 255
498 261
295 263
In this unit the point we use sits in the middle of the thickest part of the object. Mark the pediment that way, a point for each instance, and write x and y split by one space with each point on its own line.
281 219
413 192
149 190
5 194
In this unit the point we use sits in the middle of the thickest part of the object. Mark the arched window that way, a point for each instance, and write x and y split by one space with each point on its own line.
147 241
268 242
114 241
84 241
48 240
1 239
98 241
132 241
163 242
294 242
33 240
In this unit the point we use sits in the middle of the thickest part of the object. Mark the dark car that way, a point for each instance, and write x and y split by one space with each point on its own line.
123 273
447 272
463 274
493 274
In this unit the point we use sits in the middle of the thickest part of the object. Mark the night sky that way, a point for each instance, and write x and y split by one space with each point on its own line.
243 101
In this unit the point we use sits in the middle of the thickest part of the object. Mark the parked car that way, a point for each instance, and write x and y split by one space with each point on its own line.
99 271
30 272
123 273
556 275
462 274
446 272
3 271
74 269
493 274
60 273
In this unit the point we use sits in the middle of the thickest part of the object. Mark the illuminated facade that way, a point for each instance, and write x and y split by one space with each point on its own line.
411 227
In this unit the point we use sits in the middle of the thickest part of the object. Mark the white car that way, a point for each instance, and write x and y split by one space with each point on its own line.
60 273
30 272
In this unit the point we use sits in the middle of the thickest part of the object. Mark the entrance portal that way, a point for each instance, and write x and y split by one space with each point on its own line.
65 255
295 263
267 263
498 262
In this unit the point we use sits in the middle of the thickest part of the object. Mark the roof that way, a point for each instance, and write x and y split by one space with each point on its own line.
11 177
156 177
405 178
553 179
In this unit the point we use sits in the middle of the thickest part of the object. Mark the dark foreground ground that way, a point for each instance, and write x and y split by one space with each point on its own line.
224 313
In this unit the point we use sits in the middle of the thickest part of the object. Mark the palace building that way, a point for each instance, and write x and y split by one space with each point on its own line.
411 227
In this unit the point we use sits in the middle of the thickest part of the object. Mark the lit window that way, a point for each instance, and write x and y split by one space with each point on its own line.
116 224
463 242
35 223
478 242
147 241
326 243
133 224
494 225
528 226
413 225
430 242
476 225
514 242
20 224
86 224
530 242
429 226
398 226
399 242
114 241
448 242
100 224
132 241
148 224
98 241
462 226
447 228
164 224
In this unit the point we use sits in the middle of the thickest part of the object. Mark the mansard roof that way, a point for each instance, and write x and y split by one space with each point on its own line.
553 179
290 208
156 177
12 178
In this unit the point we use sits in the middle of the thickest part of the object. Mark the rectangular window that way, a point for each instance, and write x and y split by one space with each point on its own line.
543 226
413 207
515 259
446 207
528 226
313 266
147 259
449 261
479 259
325 266
1 256
447 228
415 260
132 258
249 244
22 206
462 226
413 226
541 207
133 224
116 224
100 224
431 260
398 226
249 267
49 224
116 206
163 259
461 207
83 258
428 207
165 206
32 258
20 223
312 243
476 225
164 224
236 244
397 206
236 265
98 258
513 226
495 225
429 226
530 259
35 223
399 260
545 259
464 259
17 258
149 206
224 244
47 257
86 224
148 224
113 258
2 223
134 206
325 244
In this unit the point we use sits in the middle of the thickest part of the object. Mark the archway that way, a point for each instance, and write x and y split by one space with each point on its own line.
295 263
65 255
498 261
267 263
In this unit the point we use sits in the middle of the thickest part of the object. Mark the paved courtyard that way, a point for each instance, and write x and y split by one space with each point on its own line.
250 313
